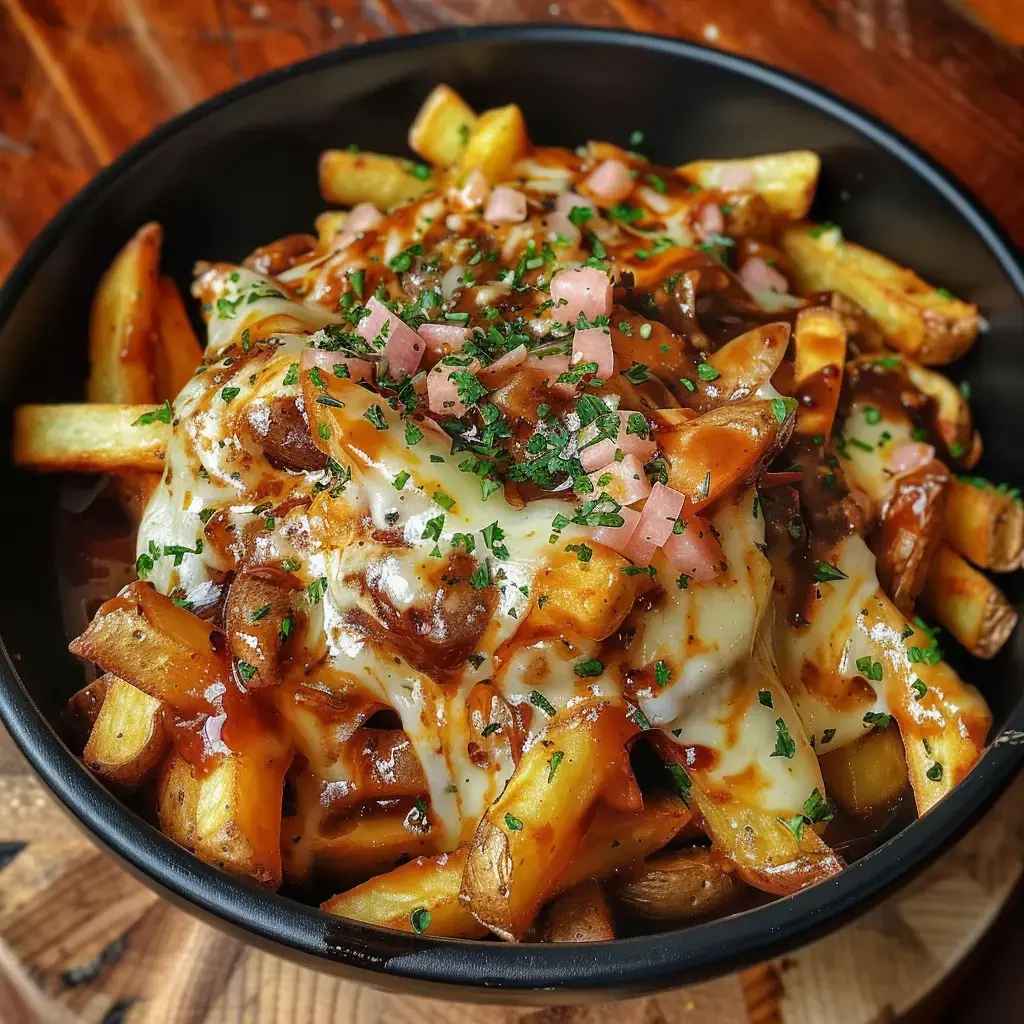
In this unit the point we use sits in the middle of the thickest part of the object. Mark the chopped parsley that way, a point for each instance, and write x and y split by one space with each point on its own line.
375 414
825 572
589 669
420 920
513 823
765 697
785 745
161 414
553 762
877 719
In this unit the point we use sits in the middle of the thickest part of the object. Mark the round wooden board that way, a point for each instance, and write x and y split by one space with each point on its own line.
81 942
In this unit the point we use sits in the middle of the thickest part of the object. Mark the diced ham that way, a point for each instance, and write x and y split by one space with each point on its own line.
759 275
357 369
509 361
558 227
505 206
623 481
617 537
656 521
568 201
610 182
443 392
910 455
474 192
596 455
553 366
363 217
585 290
734 177
403 347
710 220
594 345
444 339
696 551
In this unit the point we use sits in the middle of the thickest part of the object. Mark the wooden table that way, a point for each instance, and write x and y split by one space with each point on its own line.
82 79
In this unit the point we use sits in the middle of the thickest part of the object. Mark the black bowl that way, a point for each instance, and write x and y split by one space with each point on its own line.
241 170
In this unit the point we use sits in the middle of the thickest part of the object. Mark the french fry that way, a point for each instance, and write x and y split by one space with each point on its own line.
329 225
868 774
708 456
748 361
442 127
497 140
386 181
677 884
968 604
123 319
916 318
79 715
787 181
238 815
580 915
985 524
90 438
146 639
177 796
953 414
526 839
128 740
819 343
178 352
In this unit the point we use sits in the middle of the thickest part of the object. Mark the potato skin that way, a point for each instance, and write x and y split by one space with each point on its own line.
678 884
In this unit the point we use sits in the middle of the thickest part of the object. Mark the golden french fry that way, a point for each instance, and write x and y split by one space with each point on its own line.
177 796
123 319
348 178
178 352
868 774
748 361
952 413
580 915
968 604
496 142
787 181
923 322
329 225
88 438
819 342
985 524
526 839
677 884
128 740
442 127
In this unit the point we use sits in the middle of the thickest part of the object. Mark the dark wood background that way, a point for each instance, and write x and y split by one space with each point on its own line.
80 80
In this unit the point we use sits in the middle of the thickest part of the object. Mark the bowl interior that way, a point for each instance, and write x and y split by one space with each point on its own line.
241 171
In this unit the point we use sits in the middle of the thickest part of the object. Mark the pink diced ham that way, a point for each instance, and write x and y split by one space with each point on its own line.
553 366
610 182
444 339
596 455
475 190
443 392
594 345
403 347
696 551
358 369
759 275
505 206
910 455
363 217
585 290
617 537
624 482
559 228
710 220
509 361
568 201
734 177
656 521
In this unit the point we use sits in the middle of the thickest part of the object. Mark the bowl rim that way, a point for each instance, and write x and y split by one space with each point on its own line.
468 968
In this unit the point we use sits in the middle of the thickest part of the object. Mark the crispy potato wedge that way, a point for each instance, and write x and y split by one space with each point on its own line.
968 604
128 740
747 362
122 323
426 884
442 127
952 413
497 140
146 639
238 815
677 884
868 774
985 524
919 320
79 715
819 344
708 456
348 178
178 352
787 181
526 839
580 915
90 438
177 796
